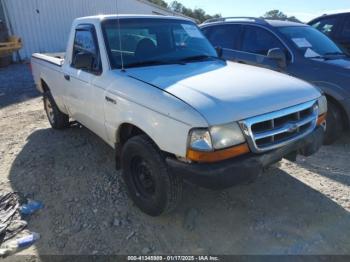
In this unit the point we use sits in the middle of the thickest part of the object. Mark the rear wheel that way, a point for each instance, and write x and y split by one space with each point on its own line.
152 187
57 119
335 124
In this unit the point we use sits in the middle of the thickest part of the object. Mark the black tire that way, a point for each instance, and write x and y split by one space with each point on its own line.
335 124
151 186
57 119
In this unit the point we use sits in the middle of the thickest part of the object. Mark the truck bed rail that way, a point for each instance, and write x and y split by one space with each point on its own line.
52 58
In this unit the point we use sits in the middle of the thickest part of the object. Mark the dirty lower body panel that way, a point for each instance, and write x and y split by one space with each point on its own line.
246 168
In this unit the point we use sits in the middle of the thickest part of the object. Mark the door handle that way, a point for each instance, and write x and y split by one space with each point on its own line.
111 100
67 77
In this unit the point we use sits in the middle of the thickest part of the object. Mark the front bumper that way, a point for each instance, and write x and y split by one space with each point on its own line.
246 168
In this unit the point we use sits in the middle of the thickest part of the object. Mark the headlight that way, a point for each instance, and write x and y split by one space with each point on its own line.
322 105
218 137
200 140
226 136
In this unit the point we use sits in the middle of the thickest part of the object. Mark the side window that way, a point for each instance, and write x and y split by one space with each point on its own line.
345 31
326 25
259 41
224 36
86 42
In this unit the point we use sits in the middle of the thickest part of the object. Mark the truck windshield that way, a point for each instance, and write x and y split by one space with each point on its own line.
146 42
311 42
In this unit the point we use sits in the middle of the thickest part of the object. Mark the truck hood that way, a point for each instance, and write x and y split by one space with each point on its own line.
223 92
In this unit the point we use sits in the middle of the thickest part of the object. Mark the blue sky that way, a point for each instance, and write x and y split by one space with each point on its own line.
303 9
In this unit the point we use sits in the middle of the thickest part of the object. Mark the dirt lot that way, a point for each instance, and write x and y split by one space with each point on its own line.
294 208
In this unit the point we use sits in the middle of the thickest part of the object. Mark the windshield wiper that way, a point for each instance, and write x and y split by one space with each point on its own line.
334 53
317 57
198 58
331 55
170 62
150 63
324 57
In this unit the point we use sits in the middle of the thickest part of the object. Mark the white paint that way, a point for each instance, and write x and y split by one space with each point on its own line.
198 95
47 31
224 92
166 119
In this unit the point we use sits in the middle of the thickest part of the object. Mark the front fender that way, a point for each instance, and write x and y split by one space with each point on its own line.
331 89
163 117
170 133
338 94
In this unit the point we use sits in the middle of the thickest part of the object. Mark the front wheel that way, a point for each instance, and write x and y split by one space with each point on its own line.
57 119
335 124
152 187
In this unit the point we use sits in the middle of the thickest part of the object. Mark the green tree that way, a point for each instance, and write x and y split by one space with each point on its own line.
278 15
198 14
161 3
177 6
294 19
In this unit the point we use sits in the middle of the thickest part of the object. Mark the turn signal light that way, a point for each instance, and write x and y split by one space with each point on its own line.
216 156
321 119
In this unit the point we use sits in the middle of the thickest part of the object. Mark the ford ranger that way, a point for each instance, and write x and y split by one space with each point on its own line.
155 90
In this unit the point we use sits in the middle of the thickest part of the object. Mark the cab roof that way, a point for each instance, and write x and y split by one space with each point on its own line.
280 23
252 20
98 18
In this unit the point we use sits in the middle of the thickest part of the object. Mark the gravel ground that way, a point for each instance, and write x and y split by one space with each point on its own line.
294 208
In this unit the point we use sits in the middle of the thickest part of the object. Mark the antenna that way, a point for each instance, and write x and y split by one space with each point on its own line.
120 38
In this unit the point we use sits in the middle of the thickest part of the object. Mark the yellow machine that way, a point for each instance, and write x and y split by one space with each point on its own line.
7 48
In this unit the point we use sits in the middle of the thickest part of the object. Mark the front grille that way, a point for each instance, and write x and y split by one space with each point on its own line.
277 129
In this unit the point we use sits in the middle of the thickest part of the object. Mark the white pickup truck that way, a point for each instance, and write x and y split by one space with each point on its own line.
156 91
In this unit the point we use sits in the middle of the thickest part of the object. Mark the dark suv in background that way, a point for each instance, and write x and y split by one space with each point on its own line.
335 26
293 48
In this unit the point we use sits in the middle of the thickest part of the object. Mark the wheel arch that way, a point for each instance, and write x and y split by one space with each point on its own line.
125 132
336 95
345 116
128 130
44 87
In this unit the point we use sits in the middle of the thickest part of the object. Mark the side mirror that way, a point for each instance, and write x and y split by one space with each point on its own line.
219 51
278 55
84 60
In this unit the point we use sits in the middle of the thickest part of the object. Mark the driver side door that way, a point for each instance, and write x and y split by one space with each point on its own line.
80 93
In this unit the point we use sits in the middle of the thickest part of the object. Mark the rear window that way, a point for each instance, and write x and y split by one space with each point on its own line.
130 38
345 32
326 25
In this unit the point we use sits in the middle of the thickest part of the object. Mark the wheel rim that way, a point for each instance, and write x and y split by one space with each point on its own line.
49 110
142 177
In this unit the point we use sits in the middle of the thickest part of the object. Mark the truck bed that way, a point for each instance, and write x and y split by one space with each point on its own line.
53 58
48 68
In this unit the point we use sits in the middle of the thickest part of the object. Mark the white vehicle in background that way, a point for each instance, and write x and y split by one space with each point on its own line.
155 90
